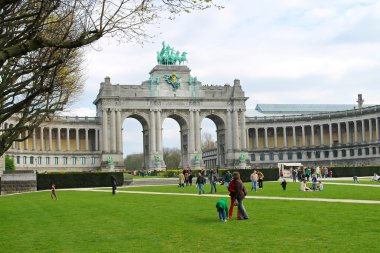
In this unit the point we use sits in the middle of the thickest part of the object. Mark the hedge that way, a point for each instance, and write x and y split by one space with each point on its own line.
78 180
341 171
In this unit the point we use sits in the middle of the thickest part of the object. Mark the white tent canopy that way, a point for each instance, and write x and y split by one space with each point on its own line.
287 167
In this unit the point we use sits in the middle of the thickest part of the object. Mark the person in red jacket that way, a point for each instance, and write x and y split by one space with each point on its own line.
232 190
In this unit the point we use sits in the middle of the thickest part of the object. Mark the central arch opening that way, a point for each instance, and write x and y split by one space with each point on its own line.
171 143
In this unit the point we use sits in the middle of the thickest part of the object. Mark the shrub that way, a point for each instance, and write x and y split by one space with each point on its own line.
9 163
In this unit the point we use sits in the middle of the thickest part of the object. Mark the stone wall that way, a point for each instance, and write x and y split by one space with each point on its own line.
16 182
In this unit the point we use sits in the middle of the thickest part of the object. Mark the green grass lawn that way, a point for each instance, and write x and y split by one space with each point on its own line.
274 189
100 222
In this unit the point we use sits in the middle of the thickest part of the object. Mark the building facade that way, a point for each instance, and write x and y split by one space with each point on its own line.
319 134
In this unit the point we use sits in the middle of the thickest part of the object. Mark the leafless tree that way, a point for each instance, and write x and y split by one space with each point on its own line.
40 50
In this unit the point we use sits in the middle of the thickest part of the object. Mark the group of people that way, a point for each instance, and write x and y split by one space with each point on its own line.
257 179
308 173
201 180
237 192
316 185
185 178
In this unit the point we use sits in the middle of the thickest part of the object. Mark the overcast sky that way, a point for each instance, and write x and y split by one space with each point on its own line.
283 51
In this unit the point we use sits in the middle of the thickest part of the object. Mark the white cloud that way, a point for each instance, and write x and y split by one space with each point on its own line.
291 51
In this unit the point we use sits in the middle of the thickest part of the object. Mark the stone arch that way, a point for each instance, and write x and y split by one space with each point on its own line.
221 135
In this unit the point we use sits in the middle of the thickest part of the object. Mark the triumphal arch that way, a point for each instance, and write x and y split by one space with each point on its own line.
173 92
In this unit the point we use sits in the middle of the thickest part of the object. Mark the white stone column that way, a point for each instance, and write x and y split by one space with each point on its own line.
285 139
50 139
321 135
228 130
303 136
97 139
152 132
67 139
348 132
19 142
363 131
243 138
275 137
235 130
86 138
377 129
197 132
191 143
34 140
41 138
339 134
58 139
105 131
113 131
266 137
355 132
294 136
256 138
77 138
119 135
26 143
370 131
330 135
159 131
312 135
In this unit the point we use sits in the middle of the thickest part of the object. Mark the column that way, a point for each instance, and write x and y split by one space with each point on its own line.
86 138
303 136
330 135
243 138
285 139
294 137
363 131
77 138
50 139
41 138
96 139
105 130
275 137
256 138
197 132
58 139
355 132
348 132
236 130
26 143
34 140
113 131
370 131
159 132
312 135
339 134
19 142
321 129
266 136
377 129
152 132
119 135
229 130
67 139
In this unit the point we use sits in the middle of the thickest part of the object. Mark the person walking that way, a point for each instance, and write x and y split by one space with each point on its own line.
260 180
213 180
283 184
294 175
232 190
254 177
53 195
200 183
181 179
240 194
114 184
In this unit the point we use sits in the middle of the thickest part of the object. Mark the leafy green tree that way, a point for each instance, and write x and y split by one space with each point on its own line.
134 161
9 163
172 158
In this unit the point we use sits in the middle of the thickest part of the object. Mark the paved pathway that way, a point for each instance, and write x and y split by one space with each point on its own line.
248 197
367 185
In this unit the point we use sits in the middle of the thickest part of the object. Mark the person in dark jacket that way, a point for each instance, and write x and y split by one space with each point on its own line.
200 182
240 194
283 184
113 183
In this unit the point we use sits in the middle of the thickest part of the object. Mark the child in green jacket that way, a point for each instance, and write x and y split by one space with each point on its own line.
222 209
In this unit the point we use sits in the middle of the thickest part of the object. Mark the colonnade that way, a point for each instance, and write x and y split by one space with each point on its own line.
50 138
349 132
112 141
